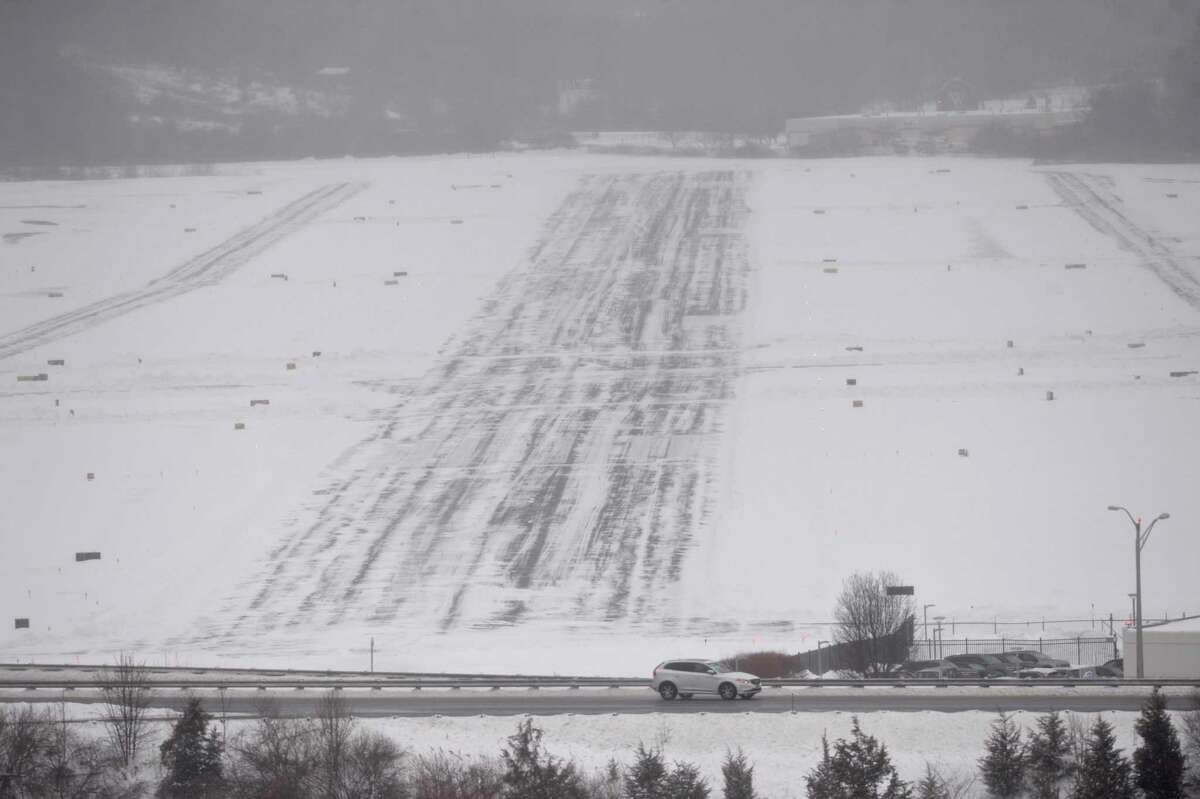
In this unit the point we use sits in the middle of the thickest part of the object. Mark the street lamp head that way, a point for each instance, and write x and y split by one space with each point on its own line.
1114 507
1164 516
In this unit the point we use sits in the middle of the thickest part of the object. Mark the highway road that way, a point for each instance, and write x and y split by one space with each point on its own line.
365 702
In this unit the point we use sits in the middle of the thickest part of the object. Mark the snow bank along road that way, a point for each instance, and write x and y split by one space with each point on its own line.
558 460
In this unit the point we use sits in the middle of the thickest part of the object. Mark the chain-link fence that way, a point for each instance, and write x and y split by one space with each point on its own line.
1078 651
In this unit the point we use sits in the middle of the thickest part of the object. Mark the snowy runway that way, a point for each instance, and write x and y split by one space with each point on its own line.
557 460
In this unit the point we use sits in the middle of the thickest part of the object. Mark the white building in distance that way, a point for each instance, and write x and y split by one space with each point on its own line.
1172 649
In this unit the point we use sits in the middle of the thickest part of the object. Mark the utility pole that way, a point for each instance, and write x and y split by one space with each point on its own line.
925 626
372 654
1139 541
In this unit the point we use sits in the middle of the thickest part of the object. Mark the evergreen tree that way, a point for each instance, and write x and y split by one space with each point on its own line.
1003 767
607 784
858 769
1158 763
1191 733
1105 773
646 778
932 786
649 778
191 757
1046 756
685 782
530 773
739 776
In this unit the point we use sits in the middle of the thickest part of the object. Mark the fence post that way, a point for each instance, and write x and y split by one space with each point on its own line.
1078 650
1040 645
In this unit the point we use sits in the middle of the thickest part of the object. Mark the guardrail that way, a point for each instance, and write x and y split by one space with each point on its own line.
577 683
347 674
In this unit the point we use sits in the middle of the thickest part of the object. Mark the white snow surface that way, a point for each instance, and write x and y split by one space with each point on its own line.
783 747
602 420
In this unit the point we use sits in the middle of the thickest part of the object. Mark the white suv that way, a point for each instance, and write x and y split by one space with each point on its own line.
686 678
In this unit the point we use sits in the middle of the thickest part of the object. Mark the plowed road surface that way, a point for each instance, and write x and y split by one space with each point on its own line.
549 702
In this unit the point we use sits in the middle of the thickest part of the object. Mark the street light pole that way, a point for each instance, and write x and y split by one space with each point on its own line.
1139 541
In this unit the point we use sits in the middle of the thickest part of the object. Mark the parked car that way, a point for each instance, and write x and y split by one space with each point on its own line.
939 671
1112 668
1036 673
1081 672
927 670
686 678
1014 663
968 670
1030 658
982 666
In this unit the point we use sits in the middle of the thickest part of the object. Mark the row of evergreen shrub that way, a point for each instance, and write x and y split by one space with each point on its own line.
330 756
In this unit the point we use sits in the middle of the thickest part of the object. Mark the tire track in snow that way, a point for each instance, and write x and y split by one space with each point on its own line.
1086 195
206 269
556 464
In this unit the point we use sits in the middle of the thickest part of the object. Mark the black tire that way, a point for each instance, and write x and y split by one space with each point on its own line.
727 690
668 691
686 696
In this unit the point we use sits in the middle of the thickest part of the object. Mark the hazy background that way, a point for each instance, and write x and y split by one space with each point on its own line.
111 80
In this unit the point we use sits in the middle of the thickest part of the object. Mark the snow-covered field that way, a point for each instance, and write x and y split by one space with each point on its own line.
600 417
783 748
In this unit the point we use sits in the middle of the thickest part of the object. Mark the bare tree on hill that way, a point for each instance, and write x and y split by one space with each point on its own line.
125 687
866 616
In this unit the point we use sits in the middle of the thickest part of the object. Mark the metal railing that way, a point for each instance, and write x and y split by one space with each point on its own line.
10 683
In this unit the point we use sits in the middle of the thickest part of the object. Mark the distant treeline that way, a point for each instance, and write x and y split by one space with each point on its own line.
427 75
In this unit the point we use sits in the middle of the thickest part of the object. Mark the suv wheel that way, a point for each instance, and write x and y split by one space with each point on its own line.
668 691
727 691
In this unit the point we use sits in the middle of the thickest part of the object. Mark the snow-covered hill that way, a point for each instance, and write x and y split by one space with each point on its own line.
579 413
